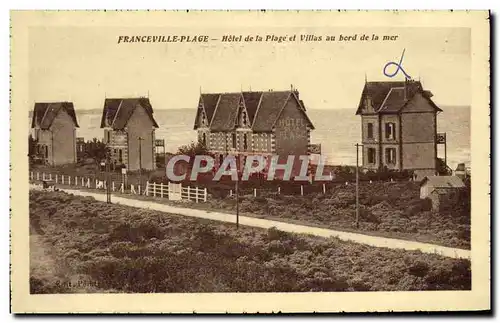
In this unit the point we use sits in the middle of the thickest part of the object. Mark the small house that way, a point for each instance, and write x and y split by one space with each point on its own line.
438 188
54 131
129 132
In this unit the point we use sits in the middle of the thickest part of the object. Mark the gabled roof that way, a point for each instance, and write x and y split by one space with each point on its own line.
443 181
263 109
226 112
269 110
45 113
392 96
117 112
252 100
207 102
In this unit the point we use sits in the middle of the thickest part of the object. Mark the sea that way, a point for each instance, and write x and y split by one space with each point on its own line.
337 130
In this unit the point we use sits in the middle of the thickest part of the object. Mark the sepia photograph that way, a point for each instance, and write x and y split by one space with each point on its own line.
213 155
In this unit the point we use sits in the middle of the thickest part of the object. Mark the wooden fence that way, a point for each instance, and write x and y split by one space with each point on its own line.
176 192
172 191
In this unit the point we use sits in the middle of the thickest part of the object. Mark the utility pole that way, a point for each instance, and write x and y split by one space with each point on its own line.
357 184
108 178
140 160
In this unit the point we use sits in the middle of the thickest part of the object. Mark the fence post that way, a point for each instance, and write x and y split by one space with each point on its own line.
62 179
154 189
113 186
76 180
324 188
83 184
43 176
189 189
254 192
197 192
50 177
205 195
139 189
161 190
122 188
302 190
37 176
56 178
88 182
279 190
230 192
31 175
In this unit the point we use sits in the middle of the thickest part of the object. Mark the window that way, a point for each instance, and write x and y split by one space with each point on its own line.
245 143
243 119
109 136
371 155
370 131
204 139
390 155
120 155
390 130
234 140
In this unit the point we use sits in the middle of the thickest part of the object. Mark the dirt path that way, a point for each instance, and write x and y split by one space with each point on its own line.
48 275
375 241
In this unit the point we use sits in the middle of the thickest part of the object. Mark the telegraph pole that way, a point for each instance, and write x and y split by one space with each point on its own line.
140 160
357 184
108 178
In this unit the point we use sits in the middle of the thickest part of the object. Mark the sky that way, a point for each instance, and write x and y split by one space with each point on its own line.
86 64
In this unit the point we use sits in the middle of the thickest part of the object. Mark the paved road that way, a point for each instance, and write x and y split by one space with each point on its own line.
288 227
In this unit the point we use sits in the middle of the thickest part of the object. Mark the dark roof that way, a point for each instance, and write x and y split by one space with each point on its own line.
117 112
394 100
226 112
269 110
45 113
208 102
252 100
443 181
389 97
263 109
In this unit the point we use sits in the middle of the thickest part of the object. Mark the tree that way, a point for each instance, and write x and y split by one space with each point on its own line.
31 146
193 149
97 150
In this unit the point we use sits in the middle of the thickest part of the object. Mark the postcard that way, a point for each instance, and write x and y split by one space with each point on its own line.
250 161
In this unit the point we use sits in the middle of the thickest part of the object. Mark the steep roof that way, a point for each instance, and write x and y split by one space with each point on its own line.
117 112
226 112
391 96
269 110
208 103
263 108
45 113
443 181
252 100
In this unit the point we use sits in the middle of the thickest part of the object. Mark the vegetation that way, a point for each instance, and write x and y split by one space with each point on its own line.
96 150
392 209
193 149
131 250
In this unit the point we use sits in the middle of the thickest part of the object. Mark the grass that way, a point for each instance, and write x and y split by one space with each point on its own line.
124 249
389 209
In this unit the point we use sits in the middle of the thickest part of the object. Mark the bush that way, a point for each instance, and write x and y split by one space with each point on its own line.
141 251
